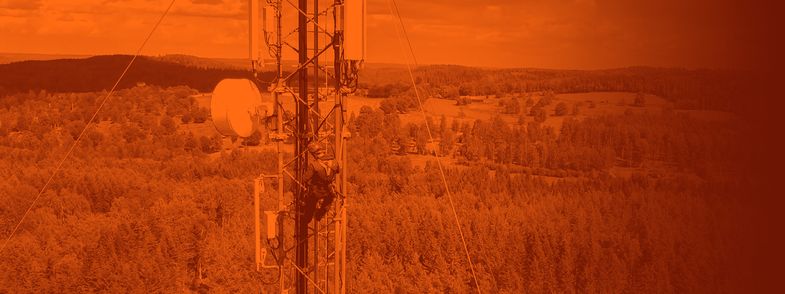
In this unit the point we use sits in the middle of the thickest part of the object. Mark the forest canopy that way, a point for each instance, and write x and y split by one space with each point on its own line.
633 202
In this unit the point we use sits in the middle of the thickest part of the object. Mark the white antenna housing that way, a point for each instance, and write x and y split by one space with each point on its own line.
354 29
253 30
268 19
236 107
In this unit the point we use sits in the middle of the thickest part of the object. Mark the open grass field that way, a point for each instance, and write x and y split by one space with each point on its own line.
604 103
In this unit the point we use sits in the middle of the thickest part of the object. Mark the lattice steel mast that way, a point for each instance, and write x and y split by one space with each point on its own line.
319 263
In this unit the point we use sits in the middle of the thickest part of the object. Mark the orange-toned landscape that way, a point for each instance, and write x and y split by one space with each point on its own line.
579 146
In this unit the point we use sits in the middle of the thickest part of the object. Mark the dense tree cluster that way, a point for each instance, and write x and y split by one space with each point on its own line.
597 143
139 122
139 205
388 90
594 233
398 104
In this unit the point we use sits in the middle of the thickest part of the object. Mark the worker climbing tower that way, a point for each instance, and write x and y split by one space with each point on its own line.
306 106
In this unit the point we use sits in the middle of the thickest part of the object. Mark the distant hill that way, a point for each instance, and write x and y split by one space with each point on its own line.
687 88
15 57
100 73
203 62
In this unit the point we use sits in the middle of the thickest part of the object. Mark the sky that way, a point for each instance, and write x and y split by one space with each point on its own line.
567 34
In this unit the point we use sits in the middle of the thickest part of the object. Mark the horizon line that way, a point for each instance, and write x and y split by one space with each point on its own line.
59 56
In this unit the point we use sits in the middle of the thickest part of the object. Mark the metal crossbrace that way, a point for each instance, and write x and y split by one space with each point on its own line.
324 70
309 236
306 103
291 33
291 47
295 180
323 121
306 276
303 101
297 97
302 153
307 63
311 19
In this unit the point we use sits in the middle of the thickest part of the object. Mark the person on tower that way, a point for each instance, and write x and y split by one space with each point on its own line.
319 178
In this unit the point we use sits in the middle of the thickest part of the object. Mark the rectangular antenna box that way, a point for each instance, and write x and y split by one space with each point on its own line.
253 30
354 29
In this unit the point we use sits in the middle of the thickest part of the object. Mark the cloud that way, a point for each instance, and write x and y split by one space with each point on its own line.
20 4
532 33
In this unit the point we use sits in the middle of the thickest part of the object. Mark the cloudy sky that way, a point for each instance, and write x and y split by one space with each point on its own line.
579 34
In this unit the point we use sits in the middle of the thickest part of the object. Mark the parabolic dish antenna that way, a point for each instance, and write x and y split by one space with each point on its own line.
237 107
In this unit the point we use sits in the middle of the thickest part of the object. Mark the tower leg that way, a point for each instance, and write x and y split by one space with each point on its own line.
301 223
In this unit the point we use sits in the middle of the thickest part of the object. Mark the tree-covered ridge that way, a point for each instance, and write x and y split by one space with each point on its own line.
100 73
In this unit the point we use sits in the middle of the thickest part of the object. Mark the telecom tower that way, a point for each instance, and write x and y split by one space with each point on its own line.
307 103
